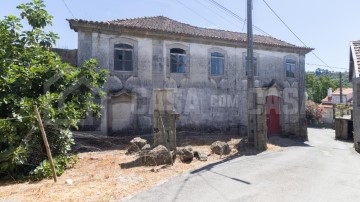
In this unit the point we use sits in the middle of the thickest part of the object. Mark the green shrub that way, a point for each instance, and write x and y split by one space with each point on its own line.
313 112
44 170
33 75
341 109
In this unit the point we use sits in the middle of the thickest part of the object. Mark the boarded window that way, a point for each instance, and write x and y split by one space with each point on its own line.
177 60
217 64
123 57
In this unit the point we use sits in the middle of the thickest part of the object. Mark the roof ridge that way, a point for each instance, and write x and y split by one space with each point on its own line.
194 26
165 24
135 18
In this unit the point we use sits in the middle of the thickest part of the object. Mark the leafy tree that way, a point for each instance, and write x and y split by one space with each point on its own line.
30 74
317 86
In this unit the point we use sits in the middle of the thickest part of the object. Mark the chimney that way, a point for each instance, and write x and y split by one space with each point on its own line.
329 92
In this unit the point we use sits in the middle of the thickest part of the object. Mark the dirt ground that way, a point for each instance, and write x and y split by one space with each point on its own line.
97 176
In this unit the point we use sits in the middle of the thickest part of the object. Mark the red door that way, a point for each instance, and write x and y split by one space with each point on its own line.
273 115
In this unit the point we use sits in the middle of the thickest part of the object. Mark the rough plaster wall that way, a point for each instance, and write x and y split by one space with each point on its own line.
204 103
198 58
336 99
301 90
328 116
145 59
84 47
158 64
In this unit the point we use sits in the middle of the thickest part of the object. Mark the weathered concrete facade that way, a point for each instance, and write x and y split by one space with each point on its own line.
205 102
356 112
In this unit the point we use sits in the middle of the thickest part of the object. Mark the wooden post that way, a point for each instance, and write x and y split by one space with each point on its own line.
45 142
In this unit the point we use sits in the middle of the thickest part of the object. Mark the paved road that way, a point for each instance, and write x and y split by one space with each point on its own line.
319 170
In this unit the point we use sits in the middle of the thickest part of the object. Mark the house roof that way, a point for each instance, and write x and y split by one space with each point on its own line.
168 26
326 100
345 91
354 66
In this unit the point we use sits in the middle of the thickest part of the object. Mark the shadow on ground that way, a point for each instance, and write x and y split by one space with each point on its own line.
132 164
88 142
185 138
287 142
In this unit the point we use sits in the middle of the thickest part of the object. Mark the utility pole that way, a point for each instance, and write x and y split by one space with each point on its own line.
341 94
250 79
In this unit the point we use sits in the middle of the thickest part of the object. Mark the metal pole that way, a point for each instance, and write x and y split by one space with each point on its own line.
250 78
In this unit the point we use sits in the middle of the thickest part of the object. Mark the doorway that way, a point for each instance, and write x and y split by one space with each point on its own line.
273 115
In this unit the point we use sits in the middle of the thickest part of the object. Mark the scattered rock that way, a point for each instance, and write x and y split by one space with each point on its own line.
83 149
158 156
133 148
241 146
186 153
69 181
220 148
146 147
154 170
173 155
94 158
200 156
139 142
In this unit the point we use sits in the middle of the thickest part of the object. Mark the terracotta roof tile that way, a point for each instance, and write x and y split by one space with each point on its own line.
345 91
167 25
356 53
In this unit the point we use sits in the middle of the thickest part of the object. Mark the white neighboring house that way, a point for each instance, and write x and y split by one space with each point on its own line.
334 98
354 68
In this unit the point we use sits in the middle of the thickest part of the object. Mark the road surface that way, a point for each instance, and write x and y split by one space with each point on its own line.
321 169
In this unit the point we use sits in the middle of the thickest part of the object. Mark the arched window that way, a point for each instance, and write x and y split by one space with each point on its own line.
123 57
217 63
290 66
177 60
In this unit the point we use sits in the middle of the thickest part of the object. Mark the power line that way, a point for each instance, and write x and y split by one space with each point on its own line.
235 15
67 7
233 23
273 11
196 13
318 65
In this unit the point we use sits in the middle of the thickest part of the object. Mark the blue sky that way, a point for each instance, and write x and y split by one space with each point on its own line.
327 26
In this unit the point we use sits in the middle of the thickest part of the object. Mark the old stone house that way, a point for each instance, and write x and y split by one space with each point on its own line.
354 69
204 67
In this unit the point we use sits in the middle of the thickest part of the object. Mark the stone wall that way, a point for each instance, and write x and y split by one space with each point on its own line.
206 103
67 55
